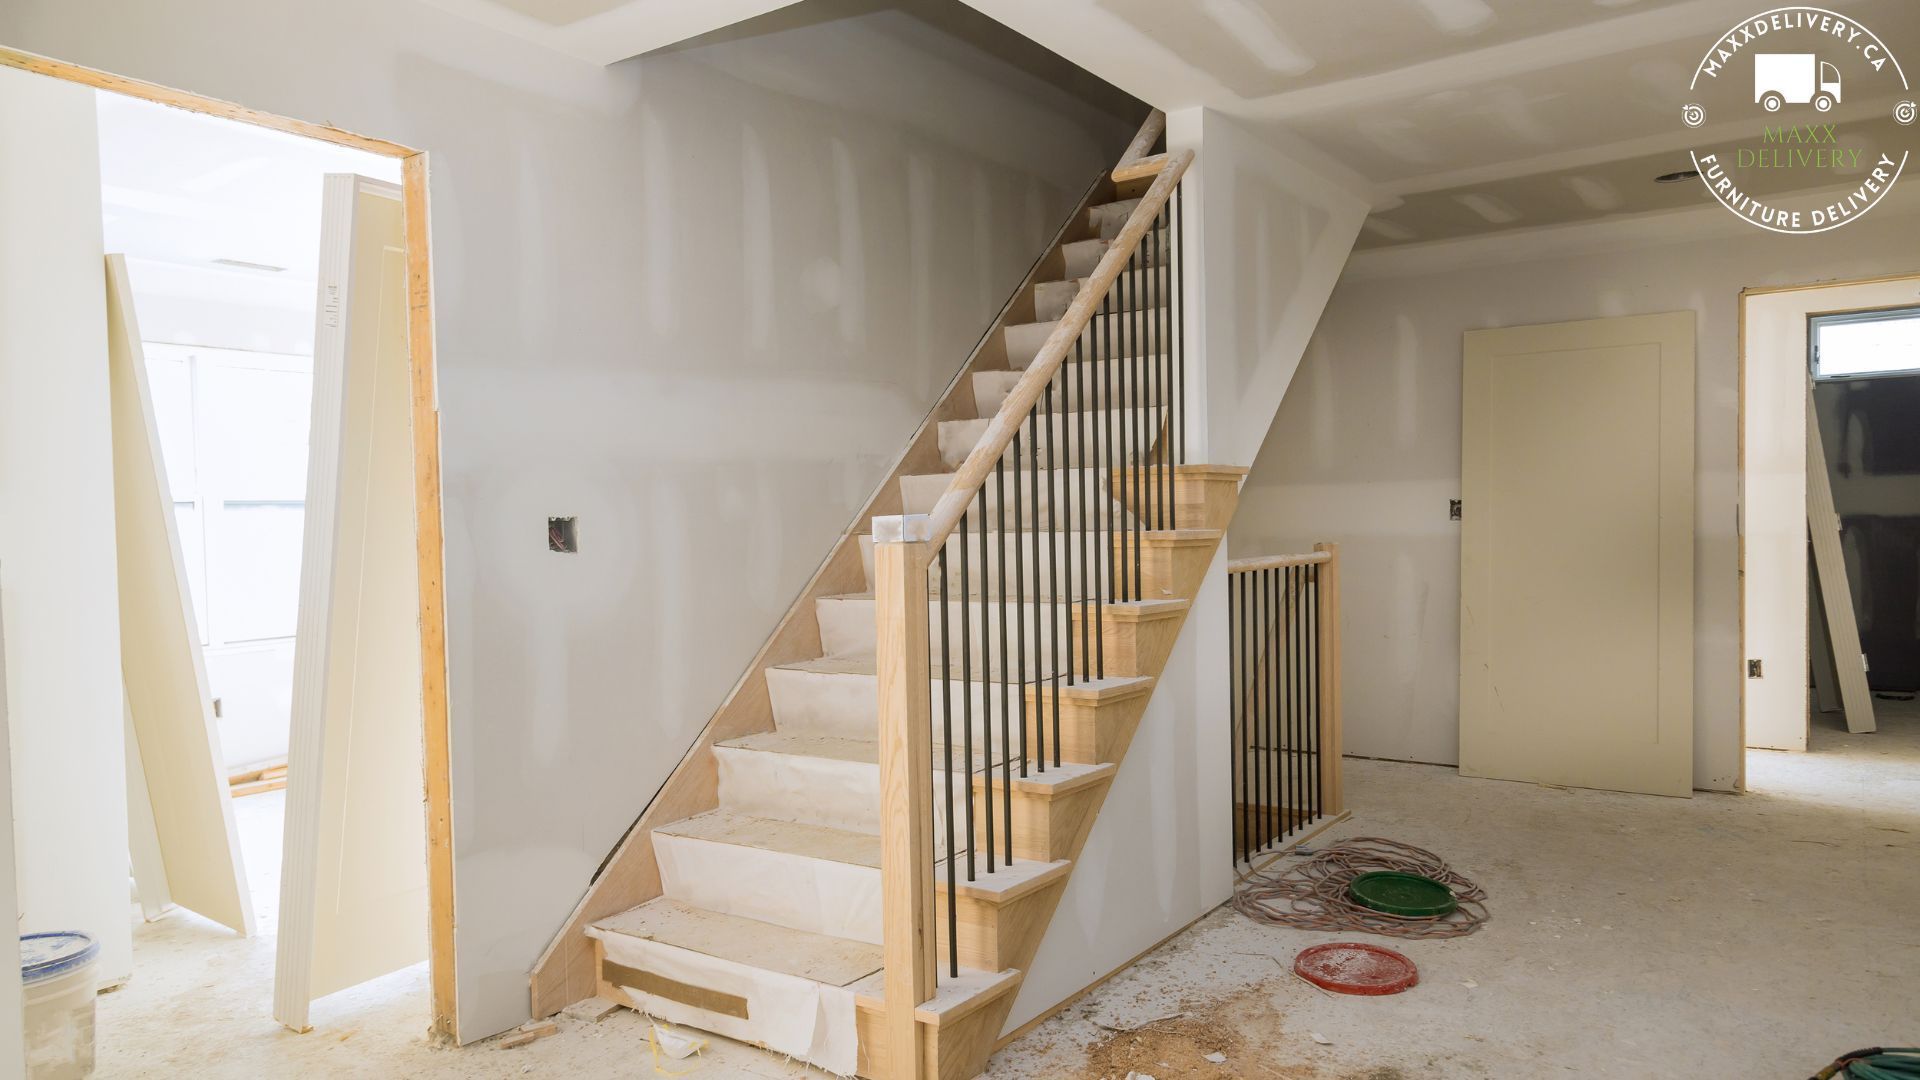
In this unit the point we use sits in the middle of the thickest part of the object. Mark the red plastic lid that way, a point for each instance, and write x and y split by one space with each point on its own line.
1350 967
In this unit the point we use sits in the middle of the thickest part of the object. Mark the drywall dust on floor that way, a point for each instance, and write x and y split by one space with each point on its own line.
1632 936
1752 935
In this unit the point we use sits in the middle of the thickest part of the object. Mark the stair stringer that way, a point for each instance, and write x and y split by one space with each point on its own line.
566 971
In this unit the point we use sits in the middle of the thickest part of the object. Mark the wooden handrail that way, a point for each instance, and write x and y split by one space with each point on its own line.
1136 152
1006 423
1320 554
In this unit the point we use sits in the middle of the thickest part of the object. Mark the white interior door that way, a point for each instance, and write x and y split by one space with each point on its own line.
189 802
353 887
1576 606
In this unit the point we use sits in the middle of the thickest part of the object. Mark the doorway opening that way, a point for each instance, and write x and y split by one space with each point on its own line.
1866 405
1829 515
215 210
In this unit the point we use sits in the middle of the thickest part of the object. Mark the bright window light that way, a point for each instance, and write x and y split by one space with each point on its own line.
1867 343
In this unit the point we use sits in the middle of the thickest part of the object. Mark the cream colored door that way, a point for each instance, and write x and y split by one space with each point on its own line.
353 882
1576 554
188 804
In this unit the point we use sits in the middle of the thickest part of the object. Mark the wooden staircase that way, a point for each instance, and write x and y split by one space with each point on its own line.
782 888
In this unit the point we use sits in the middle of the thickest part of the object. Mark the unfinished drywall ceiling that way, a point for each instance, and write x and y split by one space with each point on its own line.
1465 117
695 314
1385 361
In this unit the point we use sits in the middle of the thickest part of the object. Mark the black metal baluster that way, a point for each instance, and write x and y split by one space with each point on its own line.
1038 709
1089 604
1164 361
1053 623
946 745
1006 669
1019 598
1151 357
986 680
1269 665
1109 474
1179 336
966 689
1313 729
1135 490
1293 664
1240 692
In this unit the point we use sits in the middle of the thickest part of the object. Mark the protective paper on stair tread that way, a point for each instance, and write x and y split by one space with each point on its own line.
817 957
815 894
798 1017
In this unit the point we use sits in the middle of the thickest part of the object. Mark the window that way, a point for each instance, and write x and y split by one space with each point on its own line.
1866 343
233 427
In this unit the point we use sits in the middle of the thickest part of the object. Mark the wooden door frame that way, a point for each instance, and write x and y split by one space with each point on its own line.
1740 471
429 534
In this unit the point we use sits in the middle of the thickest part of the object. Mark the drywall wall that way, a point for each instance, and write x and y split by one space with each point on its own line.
1366 449
12 1038
1271 235
58 582
1264 237
1871 428
699 300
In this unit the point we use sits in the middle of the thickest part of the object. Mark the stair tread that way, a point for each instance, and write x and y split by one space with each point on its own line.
773 834
865 666
822 958
867 751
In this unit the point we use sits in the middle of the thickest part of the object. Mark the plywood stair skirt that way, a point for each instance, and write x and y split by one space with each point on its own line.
773 892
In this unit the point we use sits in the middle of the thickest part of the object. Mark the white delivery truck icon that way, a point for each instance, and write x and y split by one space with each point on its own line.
1789 78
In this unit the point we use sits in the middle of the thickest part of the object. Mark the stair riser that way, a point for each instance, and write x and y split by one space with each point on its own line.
1047 565
816 895
993 387
685 987
847 706
919 494
1083 256
848 628
1051 299
1126 333
1132 431
822 791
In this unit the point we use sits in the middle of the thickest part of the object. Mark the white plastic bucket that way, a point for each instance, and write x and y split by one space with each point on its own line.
60 972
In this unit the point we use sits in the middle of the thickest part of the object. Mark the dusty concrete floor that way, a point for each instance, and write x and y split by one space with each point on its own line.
1722 936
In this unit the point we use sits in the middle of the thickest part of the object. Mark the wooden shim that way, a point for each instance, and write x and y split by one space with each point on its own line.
166 677
1836 595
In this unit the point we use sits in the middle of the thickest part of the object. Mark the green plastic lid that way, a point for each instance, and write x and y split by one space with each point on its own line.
1408 895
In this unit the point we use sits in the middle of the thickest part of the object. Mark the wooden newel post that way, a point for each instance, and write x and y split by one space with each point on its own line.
900 559
1333 793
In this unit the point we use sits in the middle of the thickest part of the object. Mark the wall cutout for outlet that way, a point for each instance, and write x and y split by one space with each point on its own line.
561 536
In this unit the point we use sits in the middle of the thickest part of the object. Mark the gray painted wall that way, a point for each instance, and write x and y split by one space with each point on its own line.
698 299
1366 451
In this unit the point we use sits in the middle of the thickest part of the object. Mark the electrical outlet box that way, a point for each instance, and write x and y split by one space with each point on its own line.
1453 509
563 535
1753 669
